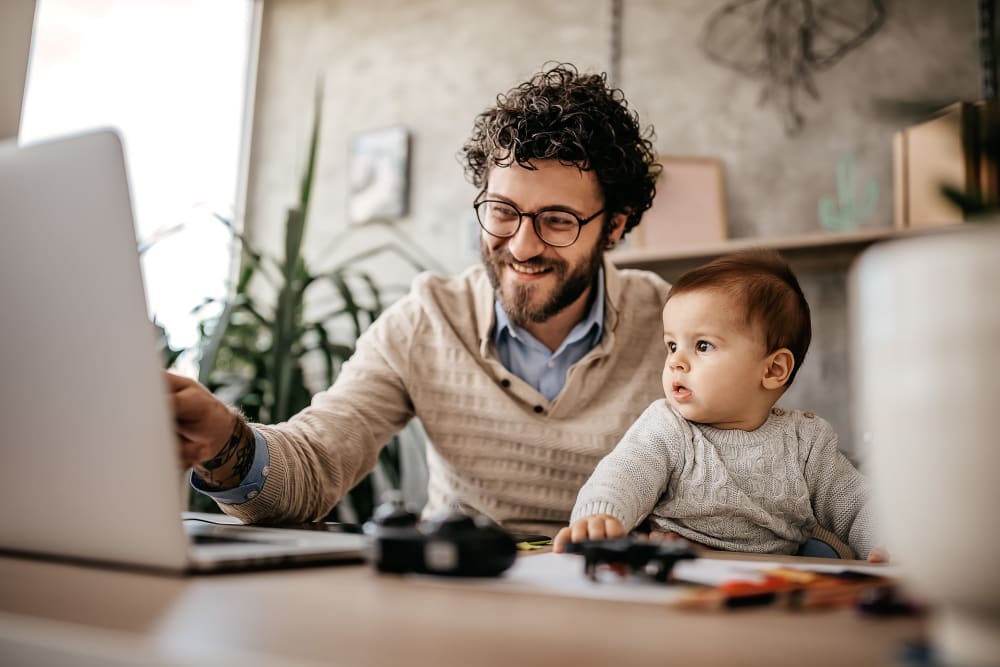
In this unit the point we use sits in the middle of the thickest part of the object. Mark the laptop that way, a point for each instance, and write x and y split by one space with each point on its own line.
88 463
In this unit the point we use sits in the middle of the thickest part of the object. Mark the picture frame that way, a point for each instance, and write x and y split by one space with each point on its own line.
689 208
378 175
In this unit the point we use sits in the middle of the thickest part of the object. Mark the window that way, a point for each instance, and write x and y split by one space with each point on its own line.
171 75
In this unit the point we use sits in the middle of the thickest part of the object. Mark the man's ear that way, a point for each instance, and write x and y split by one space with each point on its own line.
616 226
778 368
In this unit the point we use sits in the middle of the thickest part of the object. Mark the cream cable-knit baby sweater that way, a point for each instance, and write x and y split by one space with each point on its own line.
496 445
753 491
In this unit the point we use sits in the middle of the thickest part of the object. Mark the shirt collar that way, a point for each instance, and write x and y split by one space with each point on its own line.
593 322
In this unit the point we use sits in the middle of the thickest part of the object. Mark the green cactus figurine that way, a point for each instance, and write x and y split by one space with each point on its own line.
852 210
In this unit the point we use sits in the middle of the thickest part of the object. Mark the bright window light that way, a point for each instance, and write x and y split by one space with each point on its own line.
171 76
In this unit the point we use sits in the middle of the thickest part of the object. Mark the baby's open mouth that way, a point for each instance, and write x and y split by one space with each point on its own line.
679 391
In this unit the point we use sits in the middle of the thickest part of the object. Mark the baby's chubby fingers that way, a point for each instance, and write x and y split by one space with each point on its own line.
878 555
560 540
596 527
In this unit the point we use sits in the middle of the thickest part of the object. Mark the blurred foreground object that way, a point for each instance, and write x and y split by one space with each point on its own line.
925 333
449 544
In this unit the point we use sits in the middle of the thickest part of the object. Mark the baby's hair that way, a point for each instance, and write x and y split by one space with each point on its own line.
764 284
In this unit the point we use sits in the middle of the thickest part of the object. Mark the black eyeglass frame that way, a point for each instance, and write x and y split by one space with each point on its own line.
534 221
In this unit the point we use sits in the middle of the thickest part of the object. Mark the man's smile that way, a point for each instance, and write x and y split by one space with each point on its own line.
520 269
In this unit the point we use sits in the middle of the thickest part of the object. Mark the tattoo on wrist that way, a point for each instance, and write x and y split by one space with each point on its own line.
234 460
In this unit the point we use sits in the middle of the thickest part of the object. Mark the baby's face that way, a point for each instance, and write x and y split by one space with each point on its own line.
715 361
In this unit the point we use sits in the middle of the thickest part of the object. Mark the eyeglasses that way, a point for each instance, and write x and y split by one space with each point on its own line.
554 226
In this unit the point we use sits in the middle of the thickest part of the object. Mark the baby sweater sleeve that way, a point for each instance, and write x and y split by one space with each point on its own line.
840 494
629 481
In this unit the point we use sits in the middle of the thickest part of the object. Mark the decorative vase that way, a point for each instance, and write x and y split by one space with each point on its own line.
925 344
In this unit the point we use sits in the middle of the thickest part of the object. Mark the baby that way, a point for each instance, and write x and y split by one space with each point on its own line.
715 462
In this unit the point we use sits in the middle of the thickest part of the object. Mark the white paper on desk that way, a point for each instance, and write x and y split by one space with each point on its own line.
562 574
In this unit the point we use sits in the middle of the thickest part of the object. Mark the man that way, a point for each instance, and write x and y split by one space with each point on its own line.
524 371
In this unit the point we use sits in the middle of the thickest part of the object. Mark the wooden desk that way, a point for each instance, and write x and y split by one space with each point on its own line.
347 615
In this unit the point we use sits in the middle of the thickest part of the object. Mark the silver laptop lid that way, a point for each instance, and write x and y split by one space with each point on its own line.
88 466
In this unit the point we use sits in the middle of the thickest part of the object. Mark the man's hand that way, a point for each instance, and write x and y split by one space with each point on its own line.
211 438
593 527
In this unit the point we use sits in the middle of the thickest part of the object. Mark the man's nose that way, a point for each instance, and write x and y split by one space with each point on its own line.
525 244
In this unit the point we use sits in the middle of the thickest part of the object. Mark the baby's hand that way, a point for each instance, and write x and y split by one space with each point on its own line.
593 527
877 555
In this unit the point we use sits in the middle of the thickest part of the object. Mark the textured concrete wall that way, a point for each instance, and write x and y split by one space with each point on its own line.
925 50
431 65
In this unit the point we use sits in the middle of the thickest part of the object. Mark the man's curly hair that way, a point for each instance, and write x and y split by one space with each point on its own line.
560 114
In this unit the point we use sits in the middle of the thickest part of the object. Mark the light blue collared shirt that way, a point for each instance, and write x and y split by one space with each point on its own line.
524 356
519 352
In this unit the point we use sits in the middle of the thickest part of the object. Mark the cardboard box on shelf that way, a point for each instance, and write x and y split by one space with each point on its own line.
689 207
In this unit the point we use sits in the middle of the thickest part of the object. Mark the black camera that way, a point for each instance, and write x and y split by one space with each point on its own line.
452 544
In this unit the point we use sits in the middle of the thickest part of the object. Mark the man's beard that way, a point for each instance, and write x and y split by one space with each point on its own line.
570 283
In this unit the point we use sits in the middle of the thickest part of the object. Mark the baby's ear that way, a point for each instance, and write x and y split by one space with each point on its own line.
778 369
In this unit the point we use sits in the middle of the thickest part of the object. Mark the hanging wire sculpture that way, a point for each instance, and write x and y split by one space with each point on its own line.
784 41
615 65
988 49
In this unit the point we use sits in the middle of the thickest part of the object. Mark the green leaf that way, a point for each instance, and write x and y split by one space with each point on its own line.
373 291
307 178
970 203
210 348
349 307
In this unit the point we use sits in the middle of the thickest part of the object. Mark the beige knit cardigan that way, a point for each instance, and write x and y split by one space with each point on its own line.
495 445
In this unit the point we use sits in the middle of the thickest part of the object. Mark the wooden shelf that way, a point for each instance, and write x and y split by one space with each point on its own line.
814 251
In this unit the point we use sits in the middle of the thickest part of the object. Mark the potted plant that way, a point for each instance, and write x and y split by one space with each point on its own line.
255 352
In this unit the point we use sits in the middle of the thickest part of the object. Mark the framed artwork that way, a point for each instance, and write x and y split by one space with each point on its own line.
689 208
378 175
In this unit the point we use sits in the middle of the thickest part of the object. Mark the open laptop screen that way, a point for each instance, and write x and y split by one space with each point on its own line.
89 455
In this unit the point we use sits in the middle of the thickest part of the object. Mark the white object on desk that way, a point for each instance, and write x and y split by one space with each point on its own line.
926 329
